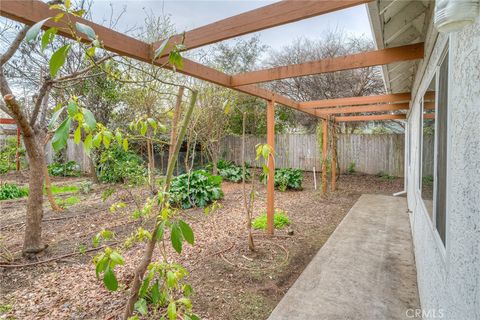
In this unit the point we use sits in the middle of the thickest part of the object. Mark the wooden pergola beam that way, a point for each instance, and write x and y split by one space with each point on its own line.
366 108
354 61
376 117
32 11
353 101
269 16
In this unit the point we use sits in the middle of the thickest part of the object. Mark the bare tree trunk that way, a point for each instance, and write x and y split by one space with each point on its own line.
33 226
93 170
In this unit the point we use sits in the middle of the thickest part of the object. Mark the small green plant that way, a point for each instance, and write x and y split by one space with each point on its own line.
386 176
280 220
117 165
196 189
288 178
4 308
12 191
351 168
85 186
70 201
427 180
67 169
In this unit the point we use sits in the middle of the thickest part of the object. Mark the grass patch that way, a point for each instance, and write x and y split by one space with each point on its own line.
67 202
64 189
280 220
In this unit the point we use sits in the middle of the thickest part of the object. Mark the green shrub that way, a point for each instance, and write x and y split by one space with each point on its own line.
427 180
198 189
8 155
67 169
280 220
117 165
229 171
286 179
12 191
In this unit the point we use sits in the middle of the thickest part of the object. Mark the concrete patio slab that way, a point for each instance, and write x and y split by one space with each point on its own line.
366 270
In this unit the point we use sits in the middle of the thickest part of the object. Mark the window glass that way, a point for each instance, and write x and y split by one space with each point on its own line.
428 139
441 136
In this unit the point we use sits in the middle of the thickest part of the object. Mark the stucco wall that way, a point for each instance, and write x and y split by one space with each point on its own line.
449 277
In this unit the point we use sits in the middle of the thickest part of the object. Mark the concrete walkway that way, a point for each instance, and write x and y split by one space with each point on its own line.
366 269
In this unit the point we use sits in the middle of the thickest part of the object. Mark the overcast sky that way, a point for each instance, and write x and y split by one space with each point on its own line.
190 14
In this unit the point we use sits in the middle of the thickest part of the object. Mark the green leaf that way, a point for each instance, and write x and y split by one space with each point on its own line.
176 238
152 123
72 108
159 51
187 232
89 119
160 232
187 290
48 37
125 144
226 106
118 137
86 30
143 129
55 118
77 136
141 306
110 280
172 311
58 59
97 140
171 279
194 317
155 292
87 143
117 258
107 137
32 33
60 137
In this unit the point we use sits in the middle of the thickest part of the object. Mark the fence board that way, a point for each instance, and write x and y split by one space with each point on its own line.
371 153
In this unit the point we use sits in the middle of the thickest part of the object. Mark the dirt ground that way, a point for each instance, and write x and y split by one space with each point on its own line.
228 281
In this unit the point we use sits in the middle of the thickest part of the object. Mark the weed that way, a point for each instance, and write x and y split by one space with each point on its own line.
70 201
386 176
351 168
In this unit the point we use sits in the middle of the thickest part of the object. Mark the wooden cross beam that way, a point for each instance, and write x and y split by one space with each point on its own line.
366 108
359 60
353 101
32 11
377 117
269 16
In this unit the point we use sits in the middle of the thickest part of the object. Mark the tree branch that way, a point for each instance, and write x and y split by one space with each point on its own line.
14 46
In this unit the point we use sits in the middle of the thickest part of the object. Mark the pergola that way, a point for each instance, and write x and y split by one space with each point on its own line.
279 13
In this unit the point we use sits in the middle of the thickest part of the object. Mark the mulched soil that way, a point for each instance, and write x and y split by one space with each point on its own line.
229 282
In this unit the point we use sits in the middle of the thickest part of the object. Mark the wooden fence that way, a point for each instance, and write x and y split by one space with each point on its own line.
370 153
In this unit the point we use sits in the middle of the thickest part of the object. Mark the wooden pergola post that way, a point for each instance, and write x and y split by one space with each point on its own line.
17 155
324 155
271 166
334 156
